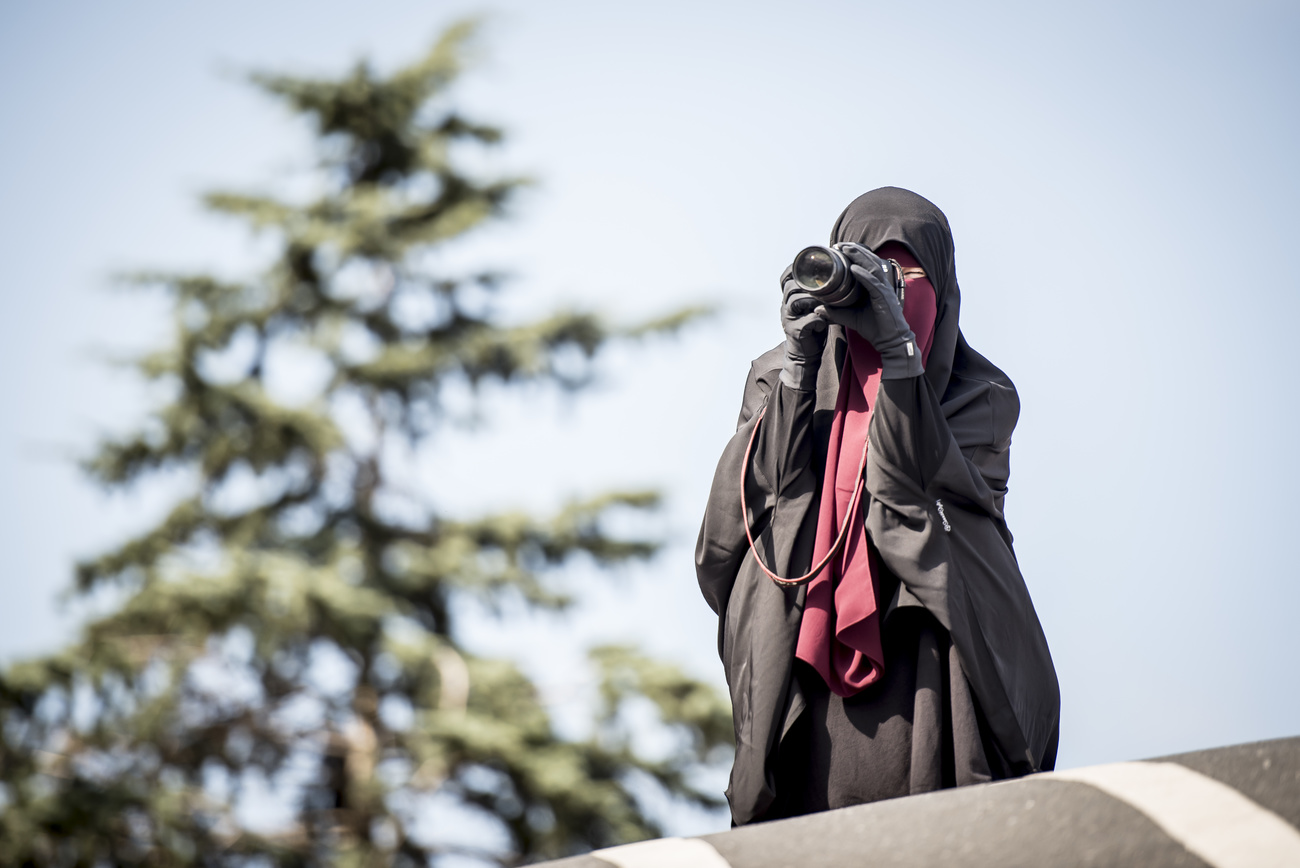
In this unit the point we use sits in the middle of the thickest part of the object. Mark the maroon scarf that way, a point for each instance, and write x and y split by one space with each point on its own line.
839 635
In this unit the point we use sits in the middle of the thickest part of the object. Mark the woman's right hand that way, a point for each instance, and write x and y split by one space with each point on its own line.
805 337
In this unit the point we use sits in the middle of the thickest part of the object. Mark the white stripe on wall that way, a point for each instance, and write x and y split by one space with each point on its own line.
664 853
1212 820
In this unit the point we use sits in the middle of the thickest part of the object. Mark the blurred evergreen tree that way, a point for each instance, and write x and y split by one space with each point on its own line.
137 743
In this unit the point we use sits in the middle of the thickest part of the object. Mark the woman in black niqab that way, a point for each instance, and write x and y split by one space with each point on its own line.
968 692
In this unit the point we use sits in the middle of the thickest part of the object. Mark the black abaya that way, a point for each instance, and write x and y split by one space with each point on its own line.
936 479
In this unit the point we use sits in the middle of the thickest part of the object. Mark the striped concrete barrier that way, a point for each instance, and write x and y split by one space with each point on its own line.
1231 807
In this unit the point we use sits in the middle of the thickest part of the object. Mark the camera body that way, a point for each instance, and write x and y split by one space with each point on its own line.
823 273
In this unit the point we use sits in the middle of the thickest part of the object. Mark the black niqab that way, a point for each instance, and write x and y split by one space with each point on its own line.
956 373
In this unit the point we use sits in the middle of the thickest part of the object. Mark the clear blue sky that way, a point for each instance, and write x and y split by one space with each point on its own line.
1121 181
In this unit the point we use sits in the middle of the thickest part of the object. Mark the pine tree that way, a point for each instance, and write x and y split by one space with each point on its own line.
136 744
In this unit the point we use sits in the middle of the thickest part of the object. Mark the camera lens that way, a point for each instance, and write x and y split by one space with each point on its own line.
814 267
823 273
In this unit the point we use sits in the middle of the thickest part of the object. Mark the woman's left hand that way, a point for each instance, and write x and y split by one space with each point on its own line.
879 317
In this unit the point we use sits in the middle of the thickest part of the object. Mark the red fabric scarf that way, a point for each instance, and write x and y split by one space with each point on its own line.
839 635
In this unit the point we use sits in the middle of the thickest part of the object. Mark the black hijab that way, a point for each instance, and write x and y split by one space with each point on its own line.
958 374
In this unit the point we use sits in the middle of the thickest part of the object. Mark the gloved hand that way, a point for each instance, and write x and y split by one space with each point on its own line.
879 318
805 337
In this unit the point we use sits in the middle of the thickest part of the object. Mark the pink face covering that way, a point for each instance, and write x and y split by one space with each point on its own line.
839 635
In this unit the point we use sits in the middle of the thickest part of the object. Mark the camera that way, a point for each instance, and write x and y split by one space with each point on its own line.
823 273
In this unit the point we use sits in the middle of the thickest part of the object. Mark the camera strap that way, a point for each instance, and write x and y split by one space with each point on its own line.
900 276
839 538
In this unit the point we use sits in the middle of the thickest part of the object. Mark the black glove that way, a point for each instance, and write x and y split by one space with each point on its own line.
879 318
805 336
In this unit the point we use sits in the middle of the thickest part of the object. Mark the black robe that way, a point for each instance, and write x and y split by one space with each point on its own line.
937 469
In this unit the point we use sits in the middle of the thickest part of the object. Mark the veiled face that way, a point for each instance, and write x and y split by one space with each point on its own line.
892 214
920 302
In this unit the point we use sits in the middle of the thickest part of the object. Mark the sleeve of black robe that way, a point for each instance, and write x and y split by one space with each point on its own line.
780 484
758 622
935 516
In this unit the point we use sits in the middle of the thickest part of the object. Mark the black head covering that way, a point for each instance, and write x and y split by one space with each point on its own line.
978 399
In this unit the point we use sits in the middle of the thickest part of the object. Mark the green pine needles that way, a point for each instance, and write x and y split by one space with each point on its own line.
303 632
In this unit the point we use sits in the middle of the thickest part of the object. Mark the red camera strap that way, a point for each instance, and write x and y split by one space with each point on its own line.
844 528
